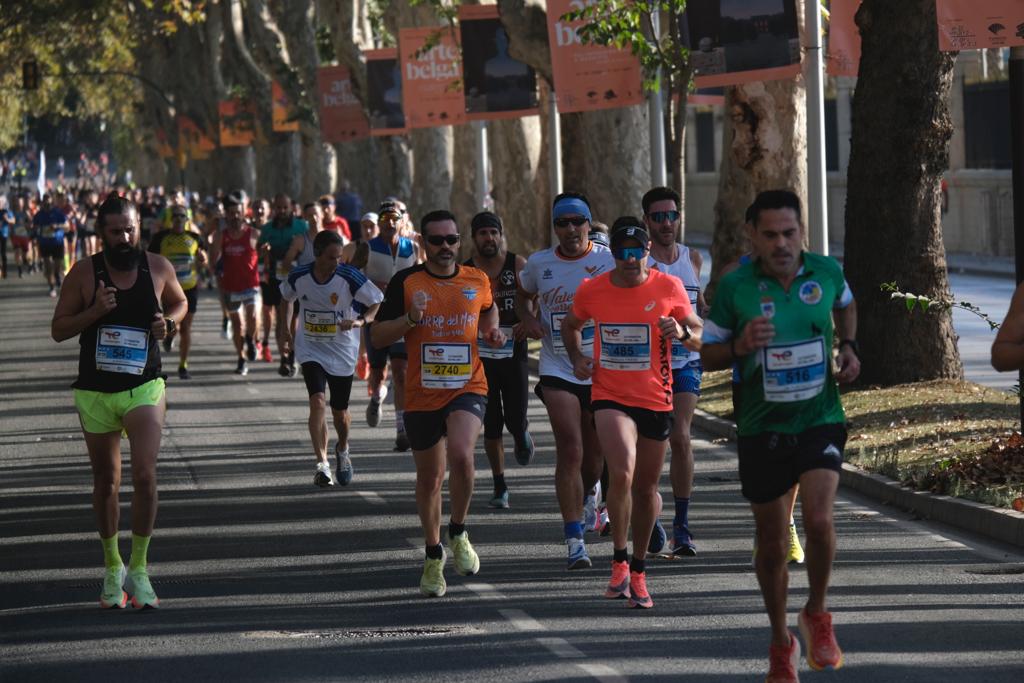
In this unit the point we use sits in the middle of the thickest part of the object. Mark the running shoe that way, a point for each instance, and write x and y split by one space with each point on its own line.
362 367
466 561
590 513
242 368
796 551
183 373
373 413
138 586
432 583
345 469
524 449
250 350
113 595
53 292
225 329
638 596
783 662
822 649
168 343
578 558
604 524
499 501
682 541
658 538
401 442
265 354
618 586
323 477
292 370
283 368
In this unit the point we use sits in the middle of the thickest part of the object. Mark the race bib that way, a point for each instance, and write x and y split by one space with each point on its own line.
445 366
506 351
320 326
183 269
122 349
586 332
625 347
794 372
282 271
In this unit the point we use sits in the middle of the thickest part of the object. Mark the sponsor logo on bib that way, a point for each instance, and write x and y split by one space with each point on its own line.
469 293
649 306
810 292
767 307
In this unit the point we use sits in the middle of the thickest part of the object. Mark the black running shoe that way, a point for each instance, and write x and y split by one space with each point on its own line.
242 368
183 373
250 349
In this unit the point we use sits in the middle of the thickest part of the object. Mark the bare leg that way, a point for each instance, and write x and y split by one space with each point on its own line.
772 522
318 425
143 425
105 459
817 493
430 468
463 430
618 435
564 412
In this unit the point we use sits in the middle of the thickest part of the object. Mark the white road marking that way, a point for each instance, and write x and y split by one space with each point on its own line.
521 621
560 647
372 497
251 389
601 672
485 591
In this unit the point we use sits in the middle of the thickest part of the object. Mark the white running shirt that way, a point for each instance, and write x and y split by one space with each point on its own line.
682 269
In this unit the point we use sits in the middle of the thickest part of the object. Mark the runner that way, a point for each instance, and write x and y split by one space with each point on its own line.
334 302
122 302
639 314
662 220
389 253
236 249
356 254
21 237
6 232
332 221
442 308
50 223
186 250
275 238
550 279
508 376
775 316
1008 348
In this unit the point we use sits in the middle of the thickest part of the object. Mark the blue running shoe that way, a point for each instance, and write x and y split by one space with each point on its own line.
578 558
658 538
345 469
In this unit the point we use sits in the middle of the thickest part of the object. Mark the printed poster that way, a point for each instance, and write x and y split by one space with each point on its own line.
237 123
342 118
281 110
431 81
163 147
980 24
193 140
843 56
741 41
495 85
589 77
384 92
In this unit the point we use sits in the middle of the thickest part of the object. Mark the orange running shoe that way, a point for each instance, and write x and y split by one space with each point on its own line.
638 595
265 354
618 587
783 661
822 649
363 367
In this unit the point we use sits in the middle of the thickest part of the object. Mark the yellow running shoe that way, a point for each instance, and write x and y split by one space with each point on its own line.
796 551
467 562
432 583
113 595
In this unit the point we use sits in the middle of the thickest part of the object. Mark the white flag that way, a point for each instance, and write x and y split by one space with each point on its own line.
41 182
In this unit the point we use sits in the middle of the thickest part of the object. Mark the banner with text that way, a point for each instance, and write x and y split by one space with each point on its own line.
843 56
496 86
193 140
281 110
342 118
431 79
589 77
741 41
237 123
384 92
980 24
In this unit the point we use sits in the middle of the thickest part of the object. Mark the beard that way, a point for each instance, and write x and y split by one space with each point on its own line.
122 256
489 250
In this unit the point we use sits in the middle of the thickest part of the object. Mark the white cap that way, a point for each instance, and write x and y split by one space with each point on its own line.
369 216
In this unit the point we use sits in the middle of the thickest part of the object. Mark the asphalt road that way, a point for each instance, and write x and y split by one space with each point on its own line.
264 577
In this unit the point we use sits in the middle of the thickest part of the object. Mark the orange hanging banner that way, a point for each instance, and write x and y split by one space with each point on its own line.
495 85
281 110
979 24
384 92
843 56
589 77
237 123
431 79
342 118
192 139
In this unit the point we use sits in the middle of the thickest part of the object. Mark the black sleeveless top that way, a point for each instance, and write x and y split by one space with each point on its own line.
503 290
118 352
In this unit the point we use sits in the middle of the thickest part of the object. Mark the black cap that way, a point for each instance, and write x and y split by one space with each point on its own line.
389 207
485 219
629 232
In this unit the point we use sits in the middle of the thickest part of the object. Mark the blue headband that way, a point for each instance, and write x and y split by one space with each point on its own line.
570 206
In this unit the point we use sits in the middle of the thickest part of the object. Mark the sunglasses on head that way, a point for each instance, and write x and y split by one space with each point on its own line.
438 240
662 216
626 253
564 221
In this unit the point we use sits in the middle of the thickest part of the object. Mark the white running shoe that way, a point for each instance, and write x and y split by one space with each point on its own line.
323 477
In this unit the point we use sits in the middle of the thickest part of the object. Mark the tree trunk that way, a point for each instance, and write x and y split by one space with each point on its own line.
764 147
520 182
462 201
898 152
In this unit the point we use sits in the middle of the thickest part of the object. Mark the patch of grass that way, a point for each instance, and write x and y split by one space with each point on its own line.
940 436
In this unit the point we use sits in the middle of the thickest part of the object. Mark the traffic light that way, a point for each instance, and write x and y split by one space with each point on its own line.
30 75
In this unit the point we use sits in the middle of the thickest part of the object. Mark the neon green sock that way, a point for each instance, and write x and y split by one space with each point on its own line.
111 555
140 545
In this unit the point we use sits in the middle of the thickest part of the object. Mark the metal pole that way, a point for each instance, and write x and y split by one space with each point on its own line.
817 203
554 155
656 114
482 184
1017 154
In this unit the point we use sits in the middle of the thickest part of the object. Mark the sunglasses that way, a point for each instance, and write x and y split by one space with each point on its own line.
438 240
179 215
626 253
662 216
564 221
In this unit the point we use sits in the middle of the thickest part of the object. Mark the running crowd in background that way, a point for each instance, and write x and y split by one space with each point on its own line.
624 336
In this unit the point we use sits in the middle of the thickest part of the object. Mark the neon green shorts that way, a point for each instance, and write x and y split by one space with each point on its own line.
102 412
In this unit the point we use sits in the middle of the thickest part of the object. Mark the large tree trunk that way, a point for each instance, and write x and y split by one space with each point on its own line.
764 147
463 202
520 179
898 152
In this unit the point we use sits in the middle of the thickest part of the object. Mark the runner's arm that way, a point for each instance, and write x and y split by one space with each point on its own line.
846 329
172 297
572 337
1008 347
526 305
294 249
393 320
74 312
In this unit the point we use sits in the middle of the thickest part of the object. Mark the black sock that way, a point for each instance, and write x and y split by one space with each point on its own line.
455 529
499 484
620 555
637 565
435 552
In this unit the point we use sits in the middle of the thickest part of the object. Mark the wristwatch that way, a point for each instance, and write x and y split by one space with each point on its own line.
171 326
852 343
686 333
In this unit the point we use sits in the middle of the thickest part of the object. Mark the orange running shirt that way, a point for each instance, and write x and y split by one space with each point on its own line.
632 362
443 357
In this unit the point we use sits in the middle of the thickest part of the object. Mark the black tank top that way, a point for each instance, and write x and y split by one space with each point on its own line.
118 351
503 289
